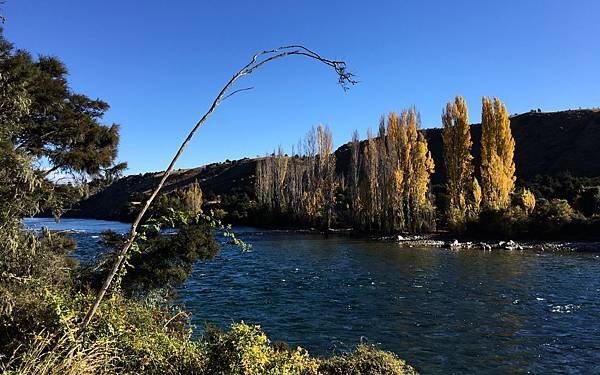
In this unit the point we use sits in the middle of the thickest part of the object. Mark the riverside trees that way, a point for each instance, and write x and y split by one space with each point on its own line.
461 185
497 153
302 186
386 188
497 169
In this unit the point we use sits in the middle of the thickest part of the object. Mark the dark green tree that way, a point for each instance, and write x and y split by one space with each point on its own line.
61 128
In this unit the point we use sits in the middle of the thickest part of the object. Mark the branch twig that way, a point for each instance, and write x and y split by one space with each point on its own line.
235 92
345 79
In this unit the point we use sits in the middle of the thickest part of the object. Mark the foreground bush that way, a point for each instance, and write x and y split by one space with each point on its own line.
247 350
133 337
144 338
48 355
366 360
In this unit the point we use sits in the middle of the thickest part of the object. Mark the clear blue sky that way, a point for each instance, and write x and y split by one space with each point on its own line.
160 63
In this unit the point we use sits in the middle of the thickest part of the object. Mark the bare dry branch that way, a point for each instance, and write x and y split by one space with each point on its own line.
235 92
345 79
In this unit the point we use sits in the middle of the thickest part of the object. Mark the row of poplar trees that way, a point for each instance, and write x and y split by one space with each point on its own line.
389 180
301 188
497 168
387 189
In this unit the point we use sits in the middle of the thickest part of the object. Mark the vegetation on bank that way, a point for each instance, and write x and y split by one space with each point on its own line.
548 151
47 131
131 336
386 187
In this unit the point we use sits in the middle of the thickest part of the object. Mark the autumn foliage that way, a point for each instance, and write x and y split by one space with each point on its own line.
386 190
497 153
462 186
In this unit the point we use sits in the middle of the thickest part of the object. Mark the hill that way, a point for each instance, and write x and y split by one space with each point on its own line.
547 144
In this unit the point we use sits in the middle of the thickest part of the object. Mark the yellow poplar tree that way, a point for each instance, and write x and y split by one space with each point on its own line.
193 198
396 137
327 181
418 172
456 136
497 154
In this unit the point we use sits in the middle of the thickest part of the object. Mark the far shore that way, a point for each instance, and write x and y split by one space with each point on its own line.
440 239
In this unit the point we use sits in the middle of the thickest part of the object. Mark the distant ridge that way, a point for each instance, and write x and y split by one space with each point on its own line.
547 143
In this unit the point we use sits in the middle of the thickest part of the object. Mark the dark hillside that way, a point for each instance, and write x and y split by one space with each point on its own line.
118 200
548 144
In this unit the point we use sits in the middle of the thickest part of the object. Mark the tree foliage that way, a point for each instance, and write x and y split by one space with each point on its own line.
61 128
386 189
527 201
176 236
301 187
497 153
393 190
462 187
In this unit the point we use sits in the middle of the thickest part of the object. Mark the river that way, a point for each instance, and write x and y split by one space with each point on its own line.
443 311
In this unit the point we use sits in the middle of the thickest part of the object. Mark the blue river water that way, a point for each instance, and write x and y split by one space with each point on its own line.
443 311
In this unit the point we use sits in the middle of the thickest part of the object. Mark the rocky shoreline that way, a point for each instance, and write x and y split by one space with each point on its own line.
455 244
444 241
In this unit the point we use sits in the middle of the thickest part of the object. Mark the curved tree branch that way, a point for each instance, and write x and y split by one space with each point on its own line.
345 79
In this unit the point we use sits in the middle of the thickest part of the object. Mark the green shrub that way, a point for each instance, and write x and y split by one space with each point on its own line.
366 360
246 350
560 212
39 264
159 262
145 338
48 355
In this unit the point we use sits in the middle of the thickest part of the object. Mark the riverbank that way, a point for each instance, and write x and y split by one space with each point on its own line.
439 239
454 244
443 239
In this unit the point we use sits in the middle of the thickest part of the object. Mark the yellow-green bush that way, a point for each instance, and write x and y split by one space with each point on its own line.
145 338
366 360
49 354
246 350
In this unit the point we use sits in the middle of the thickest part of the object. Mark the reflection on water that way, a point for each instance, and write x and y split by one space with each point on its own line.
444 311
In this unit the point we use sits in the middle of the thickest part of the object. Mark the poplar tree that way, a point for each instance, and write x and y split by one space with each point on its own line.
327 180
460 184
280 174
396 137
370 187
382 176
310 205
497 153
419 168
527 201
354 177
